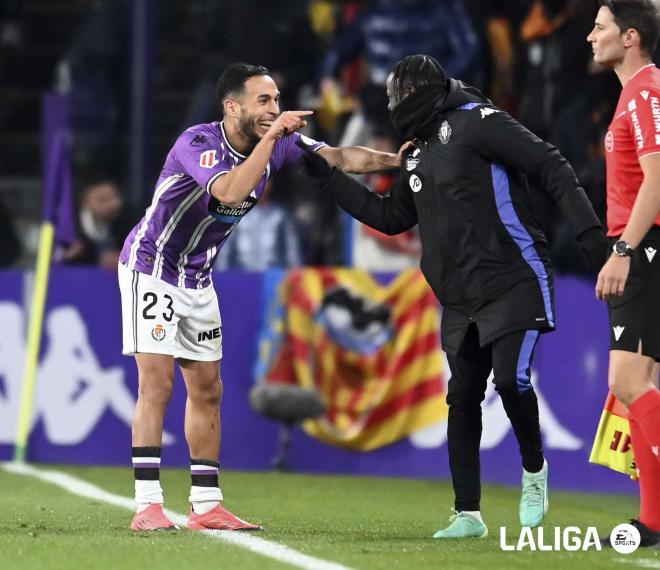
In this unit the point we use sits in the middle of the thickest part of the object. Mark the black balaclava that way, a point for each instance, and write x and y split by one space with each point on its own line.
427 84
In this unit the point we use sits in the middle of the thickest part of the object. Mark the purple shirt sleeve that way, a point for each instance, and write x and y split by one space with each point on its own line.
201 158
289 154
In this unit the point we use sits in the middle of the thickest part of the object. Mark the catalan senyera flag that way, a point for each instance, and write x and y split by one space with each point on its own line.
372 352
612 445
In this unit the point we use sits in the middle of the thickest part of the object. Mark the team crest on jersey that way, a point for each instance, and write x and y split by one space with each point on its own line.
445 132
207 159
158 332
609 141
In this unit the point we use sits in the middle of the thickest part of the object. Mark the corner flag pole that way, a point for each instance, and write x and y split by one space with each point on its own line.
57 224
46 238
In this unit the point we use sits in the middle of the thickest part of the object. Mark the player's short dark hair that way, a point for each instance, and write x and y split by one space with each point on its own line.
232 81
416 71
641 15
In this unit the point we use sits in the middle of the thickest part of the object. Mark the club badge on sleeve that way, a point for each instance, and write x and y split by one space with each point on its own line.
207 159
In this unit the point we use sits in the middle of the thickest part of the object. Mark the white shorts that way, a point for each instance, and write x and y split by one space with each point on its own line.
160 318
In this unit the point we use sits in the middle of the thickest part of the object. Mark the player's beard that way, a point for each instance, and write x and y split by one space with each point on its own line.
246 127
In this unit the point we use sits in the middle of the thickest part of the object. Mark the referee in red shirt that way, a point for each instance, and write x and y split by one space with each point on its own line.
624 38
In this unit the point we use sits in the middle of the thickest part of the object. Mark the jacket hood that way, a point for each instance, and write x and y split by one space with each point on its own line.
416 116
459 94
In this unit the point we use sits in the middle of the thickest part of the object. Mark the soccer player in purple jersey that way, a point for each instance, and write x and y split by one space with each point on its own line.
212 177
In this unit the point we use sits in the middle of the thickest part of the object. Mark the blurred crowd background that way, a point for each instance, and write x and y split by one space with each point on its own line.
154 64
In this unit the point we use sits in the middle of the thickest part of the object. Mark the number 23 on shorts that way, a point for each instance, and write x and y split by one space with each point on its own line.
151 307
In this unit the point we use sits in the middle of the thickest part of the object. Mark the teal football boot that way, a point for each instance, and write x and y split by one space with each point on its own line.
534 499
462 525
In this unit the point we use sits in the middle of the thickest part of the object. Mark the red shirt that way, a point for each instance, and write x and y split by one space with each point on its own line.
633 133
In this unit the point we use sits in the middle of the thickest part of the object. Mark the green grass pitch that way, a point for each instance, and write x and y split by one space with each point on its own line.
363 523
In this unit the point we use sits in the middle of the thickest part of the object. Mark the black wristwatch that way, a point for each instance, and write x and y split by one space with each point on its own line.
622 249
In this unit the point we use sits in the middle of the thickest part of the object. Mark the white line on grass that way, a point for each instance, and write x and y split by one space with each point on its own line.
249 542
641 562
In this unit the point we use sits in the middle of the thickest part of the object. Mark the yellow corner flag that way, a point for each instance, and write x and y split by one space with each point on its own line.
612 445
58 225
40 290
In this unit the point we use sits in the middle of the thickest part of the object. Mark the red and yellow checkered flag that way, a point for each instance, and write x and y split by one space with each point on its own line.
375 396
612 445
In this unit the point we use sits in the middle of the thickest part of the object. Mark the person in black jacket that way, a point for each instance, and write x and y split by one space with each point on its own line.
463 180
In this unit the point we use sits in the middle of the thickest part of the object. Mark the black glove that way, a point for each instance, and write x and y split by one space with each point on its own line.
315 165
595 247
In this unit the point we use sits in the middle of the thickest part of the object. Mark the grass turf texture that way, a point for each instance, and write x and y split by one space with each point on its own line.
364 523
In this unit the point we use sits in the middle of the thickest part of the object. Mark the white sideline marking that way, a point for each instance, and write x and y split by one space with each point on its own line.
254 543
642 562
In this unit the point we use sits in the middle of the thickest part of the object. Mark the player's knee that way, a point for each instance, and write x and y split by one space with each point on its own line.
619 383
215 393
630 376
510 383
208 393
625 388
464 398
620 390
156 392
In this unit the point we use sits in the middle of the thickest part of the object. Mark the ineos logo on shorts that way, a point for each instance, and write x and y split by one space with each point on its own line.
208 335
415 183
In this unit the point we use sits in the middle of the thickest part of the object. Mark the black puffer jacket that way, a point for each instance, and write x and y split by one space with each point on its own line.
465 185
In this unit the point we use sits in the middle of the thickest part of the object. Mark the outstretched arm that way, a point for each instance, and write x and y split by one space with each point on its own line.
359 159
391 214
235 186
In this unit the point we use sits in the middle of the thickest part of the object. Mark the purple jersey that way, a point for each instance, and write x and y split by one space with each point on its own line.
183 229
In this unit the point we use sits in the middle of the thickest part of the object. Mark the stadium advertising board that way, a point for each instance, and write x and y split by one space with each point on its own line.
86 390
